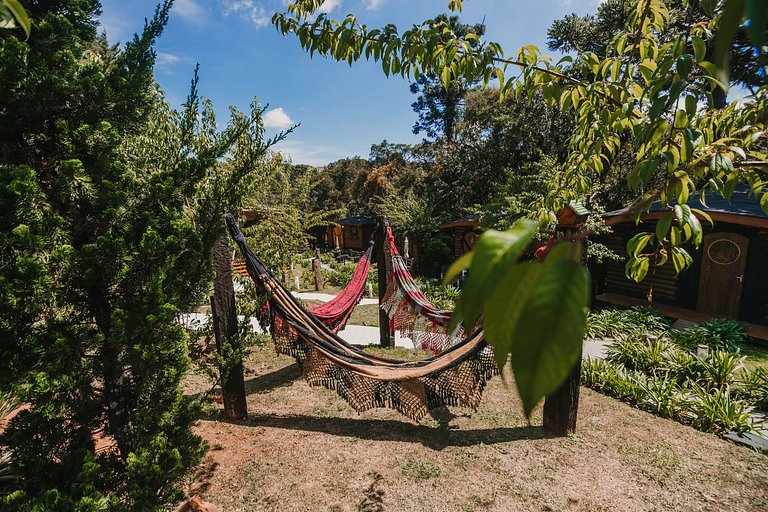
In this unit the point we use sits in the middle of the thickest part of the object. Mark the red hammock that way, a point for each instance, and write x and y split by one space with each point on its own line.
335 313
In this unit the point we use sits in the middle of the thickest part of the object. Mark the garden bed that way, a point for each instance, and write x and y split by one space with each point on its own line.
305 449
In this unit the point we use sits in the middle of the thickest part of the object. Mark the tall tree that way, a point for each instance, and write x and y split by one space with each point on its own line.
439 105
106 224
593 33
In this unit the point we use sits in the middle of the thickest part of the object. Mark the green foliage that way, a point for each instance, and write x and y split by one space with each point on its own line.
13 15
109 204
518 300
619 323
632 97
439 295
419 220
280 202
662 391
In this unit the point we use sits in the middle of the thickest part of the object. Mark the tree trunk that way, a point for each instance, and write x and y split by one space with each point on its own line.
386 336
225 330
561 407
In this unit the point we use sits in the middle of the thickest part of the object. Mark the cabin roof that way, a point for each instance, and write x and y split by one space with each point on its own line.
357 220
741 208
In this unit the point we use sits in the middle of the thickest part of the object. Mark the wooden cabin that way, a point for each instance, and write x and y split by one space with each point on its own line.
729 275
463 234
348 233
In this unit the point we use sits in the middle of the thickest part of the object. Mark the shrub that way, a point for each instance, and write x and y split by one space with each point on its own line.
637 354
716 411
721 368
620 323
442 297
754 387
726 334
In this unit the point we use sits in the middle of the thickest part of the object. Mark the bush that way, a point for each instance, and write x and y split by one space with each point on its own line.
442 297
620 323
669 382
726 334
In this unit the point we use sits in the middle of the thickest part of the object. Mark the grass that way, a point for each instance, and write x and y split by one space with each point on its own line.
757 355
304 448
365 315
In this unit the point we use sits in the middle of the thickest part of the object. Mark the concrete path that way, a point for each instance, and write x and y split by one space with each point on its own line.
325 297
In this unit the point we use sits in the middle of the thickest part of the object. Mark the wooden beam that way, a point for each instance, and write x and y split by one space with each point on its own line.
386 336
225 331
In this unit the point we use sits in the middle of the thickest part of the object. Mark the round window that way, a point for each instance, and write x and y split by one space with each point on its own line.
723 252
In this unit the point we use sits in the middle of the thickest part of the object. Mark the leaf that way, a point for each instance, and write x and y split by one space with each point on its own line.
547 340
19 13
733 11
663 225
699 48
494 250
684 65
457 266
757 12
506 304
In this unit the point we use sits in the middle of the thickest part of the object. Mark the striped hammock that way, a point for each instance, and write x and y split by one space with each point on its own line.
408 309
456 377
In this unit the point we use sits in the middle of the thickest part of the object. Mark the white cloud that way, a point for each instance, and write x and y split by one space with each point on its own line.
277 118
190 11
303 152
256 14
374 4
167 59
329 5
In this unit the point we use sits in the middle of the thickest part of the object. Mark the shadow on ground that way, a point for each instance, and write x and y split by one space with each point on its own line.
400 431
273 380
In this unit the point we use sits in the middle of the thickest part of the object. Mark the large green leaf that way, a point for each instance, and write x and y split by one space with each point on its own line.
493 251
506 304
547 338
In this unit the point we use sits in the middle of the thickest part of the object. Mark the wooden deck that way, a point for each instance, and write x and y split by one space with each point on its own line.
758 332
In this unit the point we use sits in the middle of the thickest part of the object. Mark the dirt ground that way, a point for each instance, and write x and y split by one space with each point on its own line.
304 449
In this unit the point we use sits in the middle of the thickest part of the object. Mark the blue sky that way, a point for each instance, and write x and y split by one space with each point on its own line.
342 109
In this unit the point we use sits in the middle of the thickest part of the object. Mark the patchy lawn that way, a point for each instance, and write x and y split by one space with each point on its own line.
757 355
365 315
304 449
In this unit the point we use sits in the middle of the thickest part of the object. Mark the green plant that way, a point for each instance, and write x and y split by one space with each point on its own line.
685 367
420 469
641 355
754 387
661 396
726 334
440 295
721 367
620 323
716 411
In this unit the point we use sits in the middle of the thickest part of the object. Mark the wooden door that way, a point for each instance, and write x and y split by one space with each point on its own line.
723 261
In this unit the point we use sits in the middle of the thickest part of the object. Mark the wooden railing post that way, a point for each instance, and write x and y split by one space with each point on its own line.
225 331
386 336
317 265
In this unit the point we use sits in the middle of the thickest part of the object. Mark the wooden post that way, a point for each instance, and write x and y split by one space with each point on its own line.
316 266
386 336
225 329
561 407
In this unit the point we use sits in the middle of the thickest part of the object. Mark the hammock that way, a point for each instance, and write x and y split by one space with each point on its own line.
408 309
456 377
336 311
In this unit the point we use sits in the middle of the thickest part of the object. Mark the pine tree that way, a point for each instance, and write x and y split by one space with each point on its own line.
101 246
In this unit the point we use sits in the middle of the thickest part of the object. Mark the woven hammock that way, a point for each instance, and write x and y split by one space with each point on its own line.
408 309
334 313
456 377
